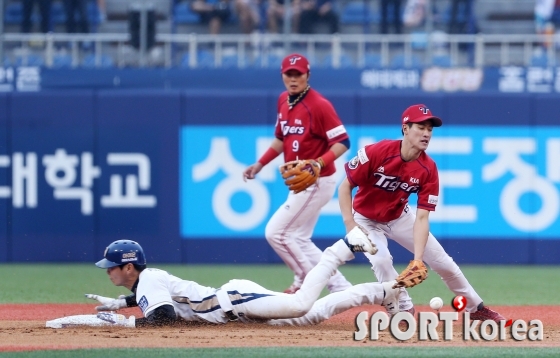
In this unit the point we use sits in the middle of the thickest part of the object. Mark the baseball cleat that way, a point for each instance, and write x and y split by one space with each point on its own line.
358 241
486 313
391 299
292 289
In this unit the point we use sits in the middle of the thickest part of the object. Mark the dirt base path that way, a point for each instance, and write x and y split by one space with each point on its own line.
22 327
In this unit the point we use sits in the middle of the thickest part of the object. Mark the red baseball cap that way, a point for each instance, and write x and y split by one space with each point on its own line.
295 61
419 113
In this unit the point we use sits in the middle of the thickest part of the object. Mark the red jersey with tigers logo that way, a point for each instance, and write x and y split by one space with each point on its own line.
385 181
309 129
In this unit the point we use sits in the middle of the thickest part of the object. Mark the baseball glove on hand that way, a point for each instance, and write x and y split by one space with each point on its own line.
300 174
413 274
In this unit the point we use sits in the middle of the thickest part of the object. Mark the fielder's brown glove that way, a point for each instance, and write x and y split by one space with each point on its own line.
300 174
413 274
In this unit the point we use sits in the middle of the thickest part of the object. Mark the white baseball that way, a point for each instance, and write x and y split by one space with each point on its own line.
436 303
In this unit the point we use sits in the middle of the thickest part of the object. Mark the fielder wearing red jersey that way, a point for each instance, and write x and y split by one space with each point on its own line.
307 127
386 174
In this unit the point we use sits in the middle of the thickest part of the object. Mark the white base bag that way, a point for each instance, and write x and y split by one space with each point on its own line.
99 320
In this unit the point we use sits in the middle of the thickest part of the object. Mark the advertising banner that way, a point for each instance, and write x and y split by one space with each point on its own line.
495 181
507 79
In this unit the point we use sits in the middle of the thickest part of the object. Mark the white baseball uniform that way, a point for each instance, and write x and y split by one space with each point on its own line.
385 182
247 300
307 131
371 293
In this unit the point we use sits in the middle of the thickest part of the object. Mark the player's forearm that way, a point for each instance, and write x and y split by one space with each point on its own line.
131 300
420 231
332 154
276 147
345 203
162 316
338 149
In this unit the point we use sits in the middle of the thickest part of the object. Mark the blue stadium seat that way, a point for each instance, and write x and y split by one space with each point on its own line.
418 40
29 60
272 61
13 13
399 61
231 60
58 13
204 59
539 60
441 61
93 14
372 60
62 61
345 61
356 12
105 61
445 16
182 14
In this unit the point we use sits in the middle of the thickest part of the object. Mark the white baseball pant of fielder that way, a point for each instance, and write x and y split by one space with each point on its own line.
290 229
400 230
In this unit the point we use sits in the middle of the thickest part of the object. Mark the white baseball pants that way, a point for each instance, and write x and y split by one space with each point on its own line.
400 230
290 229
363 294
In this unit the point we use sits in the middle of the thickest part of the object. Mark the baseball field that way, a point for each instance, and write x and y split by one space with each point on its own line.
33 294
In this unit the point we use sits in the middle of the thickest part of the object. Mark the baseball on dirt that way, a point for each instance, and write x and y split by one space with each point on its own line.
436 303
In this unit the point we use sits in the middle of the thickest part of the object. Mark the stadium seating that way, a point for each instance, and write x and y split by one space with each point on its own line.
540 60
441 61
13 13
230 61
372 60
400 61
182 14
356 12
104 61
345 61
268 61
204 59
62 61
28 60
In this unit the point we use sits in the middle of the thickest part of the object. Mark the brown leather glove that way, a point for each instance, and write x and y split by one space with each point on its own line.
413 274
300 174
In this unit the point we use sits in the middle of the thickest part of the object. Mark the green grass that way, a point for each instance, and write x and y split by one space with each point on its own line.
300 352
56 283
498 285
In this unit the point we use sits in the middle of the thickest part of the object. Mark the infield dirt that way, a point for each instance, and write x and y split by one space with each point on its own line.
22 328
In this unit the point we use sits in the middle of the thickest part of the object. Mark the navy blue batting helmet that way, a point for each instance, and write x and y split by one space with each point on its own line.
122 252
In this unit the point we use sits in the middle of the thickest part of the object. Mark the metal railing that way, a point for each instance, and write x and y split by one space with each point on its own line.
463 50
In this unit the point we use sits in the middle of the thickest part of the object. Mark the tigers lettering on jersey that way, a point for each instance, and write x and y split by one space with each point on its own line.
391 183
287 130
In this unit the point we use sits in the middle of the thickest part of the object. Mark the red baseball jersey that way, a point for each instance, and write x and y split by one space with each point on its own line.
385 181
309 129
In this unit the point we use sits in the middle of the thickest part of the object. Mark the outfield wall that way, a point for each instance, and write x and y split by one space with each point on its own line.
163 167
